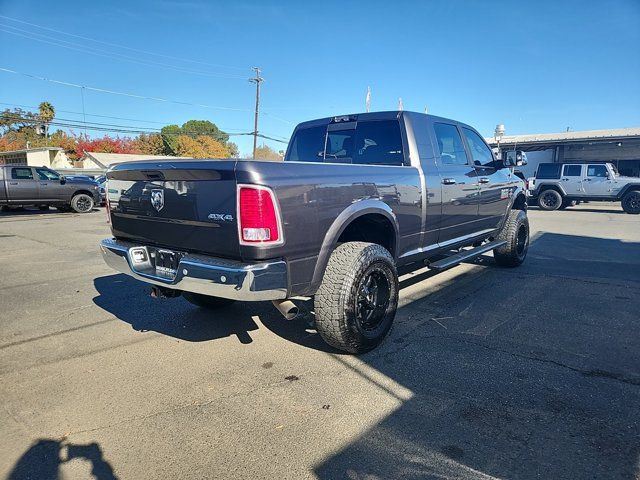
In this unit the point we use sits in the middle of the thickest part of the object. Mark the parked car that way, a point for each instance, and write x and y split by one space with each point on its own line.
22 185
356 197
559 185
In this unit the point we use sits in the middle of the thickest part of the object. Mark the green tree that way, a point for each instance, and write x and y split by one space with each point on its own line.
194 129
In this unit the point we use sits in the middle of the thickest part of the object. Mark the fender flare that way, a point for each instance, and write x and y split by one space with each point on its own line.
553 186
342 221
627 188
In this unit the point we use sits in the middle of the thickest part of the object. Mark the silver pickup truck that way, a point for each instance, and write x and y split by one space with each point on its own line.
356 197
22 185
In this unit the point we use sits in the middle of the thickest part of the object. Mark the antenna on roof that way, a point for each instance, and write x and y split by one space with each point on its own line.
425 109
400 106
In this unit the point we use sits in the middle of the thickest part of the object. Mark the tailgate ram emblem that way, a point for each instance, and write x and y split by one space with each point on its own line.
157 199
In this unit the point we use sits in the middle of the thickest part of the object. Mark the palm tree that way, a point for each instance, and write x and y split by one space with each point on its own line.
47 112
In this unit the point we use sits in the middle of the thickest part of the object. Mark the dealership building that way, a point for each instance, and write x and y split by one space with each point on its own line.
620 146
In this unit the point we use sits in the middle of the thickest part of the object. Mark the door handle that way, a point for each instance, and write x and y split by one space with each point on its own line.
449 181
13 183
44 184
565 179
483 180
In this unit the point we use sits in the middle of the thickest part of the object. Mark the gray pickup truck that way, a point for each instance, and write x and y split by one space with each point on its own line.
356 197
22 185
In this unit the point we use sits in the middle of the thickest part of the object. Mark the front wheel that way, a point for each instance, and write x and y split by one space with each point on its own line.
631 202
358 297
550 200
516 233
206 301
82 203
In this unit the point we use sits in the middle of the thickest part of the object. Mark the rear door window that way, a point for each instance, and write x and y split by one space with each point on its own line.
572 170
21 174
450 144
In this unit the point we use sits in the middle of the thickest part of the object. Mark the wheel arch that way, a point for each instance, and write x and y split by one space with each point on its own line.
628 188
349 226
81 191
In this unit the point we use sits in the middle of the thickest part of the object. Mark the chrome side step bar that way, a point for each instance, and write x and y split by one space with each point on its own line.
460 257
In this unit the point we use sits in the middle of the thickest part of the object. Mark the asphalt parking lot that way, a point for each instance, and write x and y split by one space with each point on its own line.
489 373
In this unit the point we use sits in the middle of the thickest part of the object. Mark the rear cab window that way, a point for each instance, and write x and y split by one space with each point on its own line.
21 173
369 142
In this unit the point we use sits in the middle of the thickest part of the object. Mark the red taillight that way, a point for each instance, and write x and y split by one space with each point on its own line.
258 216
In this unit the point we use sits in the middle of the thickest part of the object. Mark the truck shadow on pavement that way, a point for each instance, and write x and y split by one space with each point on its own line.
129 301
44 458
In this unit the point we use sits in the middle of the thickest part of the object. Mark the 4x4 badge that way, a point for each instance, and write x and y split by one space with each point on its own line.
157 199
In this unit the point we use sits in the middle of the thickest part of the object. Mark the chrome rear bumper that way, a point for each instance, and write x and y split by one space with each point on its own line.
207 275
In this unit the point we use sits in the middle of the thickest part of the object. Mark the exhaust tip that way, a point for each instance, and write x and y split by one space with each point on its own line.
287 308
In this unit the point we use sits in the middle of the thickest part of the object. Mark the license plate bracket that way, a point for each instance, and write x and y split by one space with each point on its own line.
166 262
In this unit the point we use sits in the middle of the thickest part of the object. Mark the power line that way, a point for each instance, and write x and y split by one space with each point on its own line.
112 55
121 46
104 116
100 127
125 94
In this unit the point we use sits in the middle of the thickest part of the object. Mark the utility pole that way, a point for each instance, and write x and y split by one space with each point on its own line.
257 80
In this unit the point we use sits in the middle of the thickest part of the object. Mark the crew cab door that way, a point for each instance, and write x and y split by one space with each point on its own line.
459 185
50 188
494 183
597 182
572 179
22 187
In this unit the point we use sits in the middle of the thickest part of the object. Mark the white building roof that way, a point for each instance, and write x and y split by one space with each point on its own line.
105 160
28 150
584 135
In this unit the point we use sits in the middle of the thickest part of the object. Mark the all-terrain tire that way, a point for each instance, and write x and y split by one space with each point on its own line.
516 234
631 202
339 302
82 203
550 200
206 301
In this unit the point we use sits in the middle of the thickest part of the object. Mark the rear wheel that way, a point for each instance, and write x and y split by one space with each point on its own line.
206 301
550 200
44 207
516 234
82 203
631 202
358 297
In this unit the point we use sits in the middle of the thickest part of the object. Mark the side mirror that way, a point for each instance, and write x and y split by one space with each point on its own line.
62 180
515 158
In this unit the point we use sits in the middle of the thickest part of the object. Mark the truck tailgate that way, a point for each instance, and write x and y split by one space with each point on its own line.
184 205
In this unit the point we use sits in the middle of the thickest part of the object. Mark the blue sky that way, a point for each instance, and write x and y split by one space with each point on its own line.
535 66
